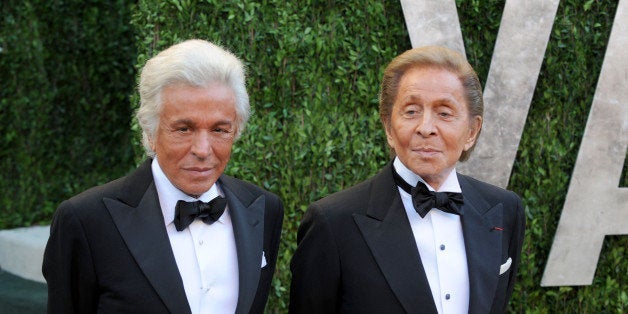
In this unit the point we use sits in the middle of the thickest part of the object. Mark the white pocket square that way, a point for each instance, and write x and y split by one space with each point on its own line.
505 266
263 259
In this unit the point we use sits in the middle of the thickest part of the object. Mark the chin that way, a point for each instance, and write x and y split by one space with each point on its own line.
428 171
195 190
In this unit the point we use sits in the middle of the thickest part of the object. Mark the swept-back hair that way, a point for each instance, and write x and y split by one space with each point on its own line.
431 57
196 63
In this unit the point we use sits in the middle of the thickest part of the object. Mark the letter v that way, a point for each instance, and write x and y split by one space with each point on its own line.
521 42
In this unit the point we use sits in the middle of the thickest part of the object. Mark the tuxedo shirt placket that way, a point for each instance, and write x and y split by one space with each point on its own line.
440 241
205 254
217 276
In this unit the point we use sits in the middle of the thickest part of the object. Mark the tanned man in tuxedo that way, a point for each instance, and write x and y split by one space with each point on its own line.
176 235
391 244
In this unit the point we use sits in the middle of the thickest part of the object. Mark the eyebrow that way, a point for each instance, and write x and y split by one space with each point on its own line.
190 122
411 98
182 121
440 101
224 122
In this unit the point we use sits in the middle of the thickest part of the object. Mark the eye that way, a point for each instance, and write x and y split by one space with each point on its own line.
411 111
183 129
223 132
222 128
444 114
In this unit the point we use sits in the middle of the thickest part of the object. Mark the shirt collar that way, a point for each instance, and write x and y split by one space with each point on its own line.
451 184
169 194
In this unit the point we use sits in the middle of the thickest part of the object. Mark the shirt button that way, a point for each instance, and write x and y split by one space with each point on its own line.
200 242
447 296
442 247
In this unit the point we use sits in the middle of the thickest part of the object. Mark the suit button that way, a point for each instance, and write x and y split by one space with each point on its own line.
447 296
442 247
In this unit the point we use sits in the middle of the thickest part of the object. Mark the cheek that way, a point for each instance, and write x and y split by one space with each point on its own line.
173 150
397 140
389 136
223 151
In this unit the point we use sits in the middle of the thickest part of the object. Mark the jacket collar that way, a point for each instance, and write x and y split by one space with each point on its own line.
137 215
386 229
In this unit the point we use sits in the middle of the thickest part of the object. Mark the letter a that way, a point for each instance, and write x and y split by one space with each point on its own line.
596 206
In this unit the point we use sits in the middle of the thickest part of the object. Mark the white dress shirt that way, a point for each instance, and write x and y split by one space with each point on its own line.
441 246
205 254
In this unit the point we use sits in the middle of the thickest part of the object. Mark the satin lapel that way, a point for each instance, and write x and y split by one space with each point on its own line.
144 233
483 246
387 232
247 217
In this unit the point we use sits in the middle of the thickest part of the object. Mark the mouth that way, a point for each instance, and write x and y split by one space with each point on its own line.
200 171
426 151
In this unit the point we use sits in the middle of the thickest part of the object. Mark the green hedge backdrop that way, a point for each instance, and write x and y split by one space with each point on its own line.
68 71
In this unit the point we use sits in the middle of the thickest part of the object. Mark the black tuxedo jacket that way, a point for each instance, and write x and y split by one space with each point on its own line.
356 252
109 251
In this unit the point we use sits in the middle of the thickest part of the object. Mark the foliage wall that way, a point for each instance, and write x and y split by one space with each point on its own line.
66 75
314 70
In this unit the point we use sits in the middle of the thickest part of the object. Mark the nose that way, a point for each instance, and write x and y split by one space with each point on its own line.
201 145
425 126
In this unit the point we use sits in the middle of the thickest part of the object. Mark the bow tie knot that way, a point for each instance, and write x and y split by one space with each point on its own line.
441 199
424 200
186 212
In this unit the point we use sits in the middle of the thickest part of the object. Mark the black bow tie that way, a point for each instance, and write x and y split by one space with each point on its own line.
186 212
424 200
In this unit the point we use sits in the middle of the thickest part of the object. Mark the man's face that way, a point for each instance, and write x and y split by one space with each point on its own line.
195 134
430 125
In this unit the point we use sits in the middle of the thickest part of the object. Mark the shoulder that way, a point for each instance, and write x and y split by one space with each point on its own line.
485 196
128 189
376 191
92 197
488 191
248 192
354 194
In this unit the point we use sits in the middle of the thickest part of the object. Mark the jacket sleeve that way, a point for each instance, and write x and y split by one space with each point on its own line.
315 267
68 266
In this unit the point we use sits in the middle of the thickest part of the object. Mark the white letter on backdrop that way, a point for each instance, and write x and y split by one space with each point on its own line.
596 206
521 42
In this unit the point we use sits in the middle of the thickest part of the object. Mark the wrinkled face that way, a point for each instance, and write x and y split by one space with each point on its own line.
196 131
430 125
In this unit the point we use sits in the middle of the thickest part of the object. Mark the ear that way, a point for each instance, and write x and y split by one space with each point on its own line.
151 142
389 137
475 125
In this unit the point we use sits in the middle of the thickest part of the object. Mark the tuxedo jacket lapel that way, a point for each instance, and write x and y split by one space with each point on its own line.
138 217
483 245
247 217
388 234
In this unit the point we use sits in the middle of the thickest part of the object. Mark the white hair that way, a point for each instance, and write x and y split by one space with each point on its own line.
195 63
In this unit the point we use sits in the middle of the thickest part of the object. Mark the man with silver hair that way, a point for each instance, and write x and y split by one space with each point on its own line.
176 235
